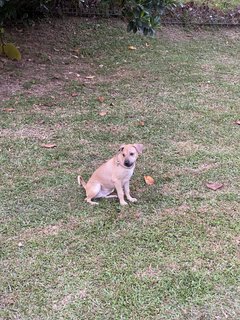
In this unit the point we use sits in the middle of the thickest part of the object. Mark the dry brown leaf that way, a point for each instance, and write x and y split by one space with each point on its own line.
74 94
132 48
141 123
102 113
214 185
48 145
138 215
149 180
101 99
77 51
9 109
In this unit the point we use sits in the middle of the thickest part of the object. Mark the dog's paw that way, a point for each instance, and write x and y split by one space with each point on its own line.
123 203
93 203
132 199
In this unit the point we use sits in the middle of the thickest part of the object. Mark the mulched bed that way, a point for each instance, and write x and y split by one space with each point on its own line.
192 13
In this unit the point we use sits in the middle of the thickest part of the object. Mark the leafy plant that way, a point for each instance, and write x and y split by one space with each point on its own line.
8 49
22 9
145 15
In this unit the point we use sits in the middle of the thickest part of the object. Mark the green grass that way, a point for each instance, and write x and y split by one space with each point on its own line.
175 253
221 4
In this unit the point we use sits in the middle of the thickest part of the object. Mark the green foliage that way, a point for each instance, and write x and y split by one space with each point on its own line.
145 15
22 9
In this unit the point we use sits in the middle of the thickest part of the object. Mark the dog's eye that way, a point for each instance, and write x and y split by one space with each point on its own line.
131 154
123 155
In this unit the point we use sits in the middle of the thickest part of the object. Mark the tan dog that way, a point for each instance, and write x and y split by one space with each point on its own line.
113 174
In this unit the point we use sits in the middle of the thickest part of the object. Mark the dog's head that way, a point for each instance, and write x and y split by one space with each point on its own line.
128 153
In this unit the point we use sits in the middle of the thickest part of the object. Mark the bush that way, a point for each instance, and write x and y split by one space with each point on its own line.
145 15
142 15
11 10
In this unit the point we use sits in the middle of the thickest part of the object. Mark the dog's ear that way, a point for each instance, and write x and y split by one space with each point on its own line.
139 147
121 147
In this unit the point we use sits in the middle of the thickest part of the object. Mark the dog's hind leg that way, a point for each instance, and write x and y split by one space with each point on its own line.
92 192
90 201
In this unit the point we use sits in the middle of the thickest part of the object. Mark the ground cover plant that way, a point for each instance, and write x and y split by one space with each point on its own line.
82 88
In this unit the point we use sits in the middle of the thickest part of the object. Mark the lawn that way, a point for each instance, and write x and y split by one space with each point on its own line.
221 4
175 253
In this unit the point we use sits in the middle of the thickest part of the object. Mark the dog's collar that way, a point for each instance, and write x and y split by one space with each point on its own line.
120 164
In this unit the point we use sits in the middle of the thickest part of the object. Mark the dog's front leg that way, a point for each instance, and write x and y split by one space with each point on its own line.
120 193
127 192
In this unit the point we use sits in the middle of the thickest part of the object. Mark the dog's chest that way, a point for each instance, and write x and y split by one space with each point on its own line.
123 174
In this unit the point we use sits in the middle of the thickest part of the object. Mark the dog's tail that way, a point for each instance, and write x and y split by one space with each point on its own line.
81 182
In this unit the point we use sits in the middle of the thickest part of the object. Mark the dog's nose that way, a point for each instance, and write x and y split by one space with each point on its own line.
127 163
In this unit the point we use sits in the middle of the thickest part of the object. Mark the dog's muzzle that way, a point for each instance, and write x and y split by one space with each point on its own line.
128 164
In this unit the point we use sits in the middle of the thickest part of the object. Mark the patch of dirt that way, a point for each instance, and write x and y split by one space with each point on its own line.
31 234
36 132
181 210
7 300
202 168
47 60
149 273
68 299
51 230
171 188
172 33
186 147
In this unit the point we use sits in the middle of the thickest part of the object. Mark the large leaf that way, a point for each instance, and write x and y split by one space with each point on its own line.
10 51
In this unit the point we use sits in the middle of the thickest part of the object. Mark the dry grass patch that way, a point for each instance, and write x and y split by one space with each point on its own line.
69 299
33 234
36 132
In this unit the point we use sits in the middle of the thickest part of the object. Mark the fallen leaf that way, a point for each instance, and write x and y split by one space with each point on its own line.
102 113
8 109
132 48
77 51
48 145
214 185
237 122
74 94
11 51
90 77
149 180
141 123
101 99
138 215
